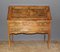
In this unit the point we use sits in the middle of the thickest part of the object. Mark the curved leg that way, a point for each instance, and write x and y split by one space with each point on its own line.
48 40
9 41
44 37
12 38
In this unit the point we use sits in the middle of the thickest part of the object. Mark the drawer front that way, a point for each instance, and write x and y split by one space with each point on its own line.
28 26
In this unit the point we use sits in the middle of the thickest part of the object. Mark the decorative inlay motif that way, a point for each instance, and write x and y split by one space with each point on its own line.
30 12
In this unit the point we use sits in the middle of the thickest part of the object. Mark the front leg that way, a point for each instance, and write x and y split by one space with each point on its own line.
9 41
48 40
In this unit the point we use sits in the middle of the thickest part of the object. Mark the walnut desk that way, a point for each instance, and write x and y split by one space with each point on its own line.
29 20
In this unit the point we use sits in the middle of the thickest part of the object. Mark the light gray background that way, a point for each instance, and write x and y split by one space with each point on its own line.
55 13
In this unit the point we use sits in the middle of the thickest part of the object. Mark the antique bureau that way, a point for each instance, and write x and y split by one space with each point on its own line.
29 20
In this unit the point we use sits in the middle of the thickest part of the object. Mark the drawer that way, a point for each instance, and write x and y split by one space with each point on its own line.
28 26
29 29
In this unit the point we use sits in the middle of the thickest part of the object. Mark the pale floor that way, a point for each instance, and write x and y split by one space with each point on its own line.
29 46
